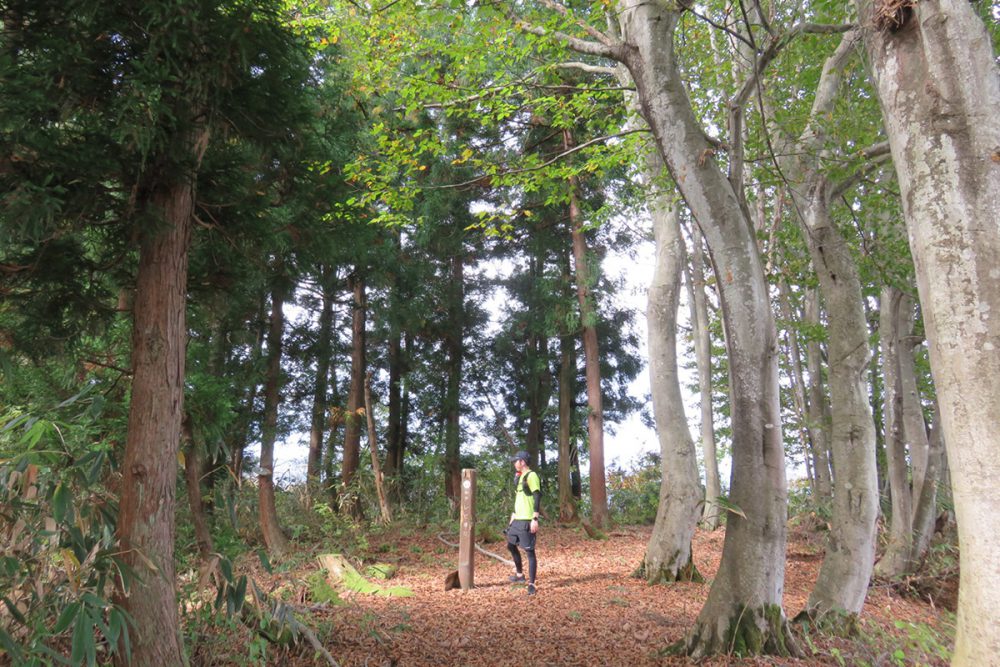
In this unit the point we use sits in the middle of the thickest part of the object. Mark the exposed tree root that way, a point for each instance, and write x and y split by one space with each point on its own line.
665 574
748 632
835 622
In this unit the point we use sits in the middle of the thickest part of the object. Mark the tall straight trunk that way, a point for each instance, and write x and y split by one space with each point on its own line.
925 495
353 420
796 377
318 421
567 380
383 500
453 343
743 608
668 553
274 539
939 88
818 408
591 355
193 467
703 359
394 430
149 468
895 323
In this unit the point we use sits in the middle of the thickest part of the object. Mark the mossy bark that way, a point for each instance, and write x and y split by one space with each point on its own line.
668 572
747 631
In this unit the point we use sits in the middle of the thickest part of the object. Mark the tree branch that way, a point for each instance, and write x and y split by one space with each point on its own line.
611 50
876 155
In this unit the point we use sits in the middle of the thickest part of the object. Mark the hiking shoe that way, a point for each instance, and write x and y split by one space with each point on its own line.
531 589
516 578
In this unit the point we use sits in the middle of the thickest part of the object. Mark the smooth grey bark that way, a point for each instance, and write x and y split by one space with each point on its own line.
744 602
925 495
703 358
938 83
895 324
796 378
842 584
668 553
817 407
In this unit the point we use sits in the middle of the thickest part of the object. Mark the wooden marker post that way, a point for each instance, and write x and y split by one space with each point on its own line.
467 530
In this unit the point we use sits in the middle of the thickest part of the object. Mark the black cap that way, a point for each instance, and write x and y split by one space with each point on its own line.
522 455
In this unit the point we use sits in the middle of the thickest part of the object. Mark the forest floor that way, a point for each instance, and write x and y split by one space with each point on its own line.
588 610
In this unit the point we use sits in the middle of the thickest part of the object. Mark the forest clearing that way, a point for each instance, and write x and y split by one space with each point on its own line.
589 610
280 280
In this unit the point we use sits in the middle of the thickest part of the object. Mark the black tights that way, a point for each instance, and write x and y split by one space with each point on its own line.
532 561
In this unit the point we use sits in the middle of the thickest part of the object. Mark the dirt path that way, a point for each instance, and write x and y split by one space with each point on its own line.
588 610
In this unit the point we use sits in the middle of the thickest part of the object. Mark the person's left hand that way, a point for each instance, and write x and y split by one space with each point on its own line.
534 525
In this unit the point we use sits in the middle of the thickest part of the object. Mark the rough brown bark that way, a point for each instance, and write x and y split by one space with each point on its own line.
318 420
592 359
149 468
274 538
193 467
356 395
383 500
453 343
567 379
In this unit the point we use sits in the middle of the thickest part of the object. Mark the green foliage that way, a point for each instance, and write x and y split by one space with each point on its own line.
634 496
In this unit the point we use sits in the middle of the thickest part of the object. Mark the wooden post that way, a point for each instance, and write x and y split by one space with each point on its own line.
467 530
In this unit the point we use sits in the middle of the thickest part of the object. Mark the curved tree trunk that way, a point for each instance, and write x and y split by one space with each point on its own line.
270 528
668 554
817 406
743 612
939 87
149 469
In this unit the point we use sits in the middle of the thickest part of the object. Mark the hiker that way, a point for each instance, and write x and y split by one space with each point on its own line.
523 527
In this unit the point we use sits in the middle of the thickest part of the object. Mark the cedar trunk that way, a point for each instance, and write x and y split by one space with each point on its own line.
270 528
149 469
318 419
453 342
356 397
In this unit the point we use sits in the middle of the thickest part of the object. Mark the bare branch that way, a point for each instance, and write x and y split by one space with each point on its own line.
589 29
611 50
876 156
590 69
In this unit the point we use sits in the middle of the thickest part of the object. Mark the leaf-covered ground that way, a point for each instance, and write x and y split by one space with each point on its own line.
588 610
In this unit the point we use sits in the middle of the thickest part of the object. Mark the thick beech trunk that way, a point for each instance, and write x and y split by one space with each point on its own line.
354 419
842 584
939 87
668 554
743 612
274 539
592 360
703 358
149 469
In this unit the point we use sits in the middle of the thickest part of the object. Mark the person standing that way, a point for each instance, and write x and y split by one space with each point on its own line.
523 527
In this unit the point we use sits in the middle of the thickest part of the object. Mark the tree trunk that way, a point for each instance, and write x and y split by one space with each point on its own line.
567 381
668 554
592 358
149 468
819 415
940 90
394 430
743 612
453 343
896 321
355 397
925 495
703 358
193 467
843 579
320 404
274 539
797 380
383 500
